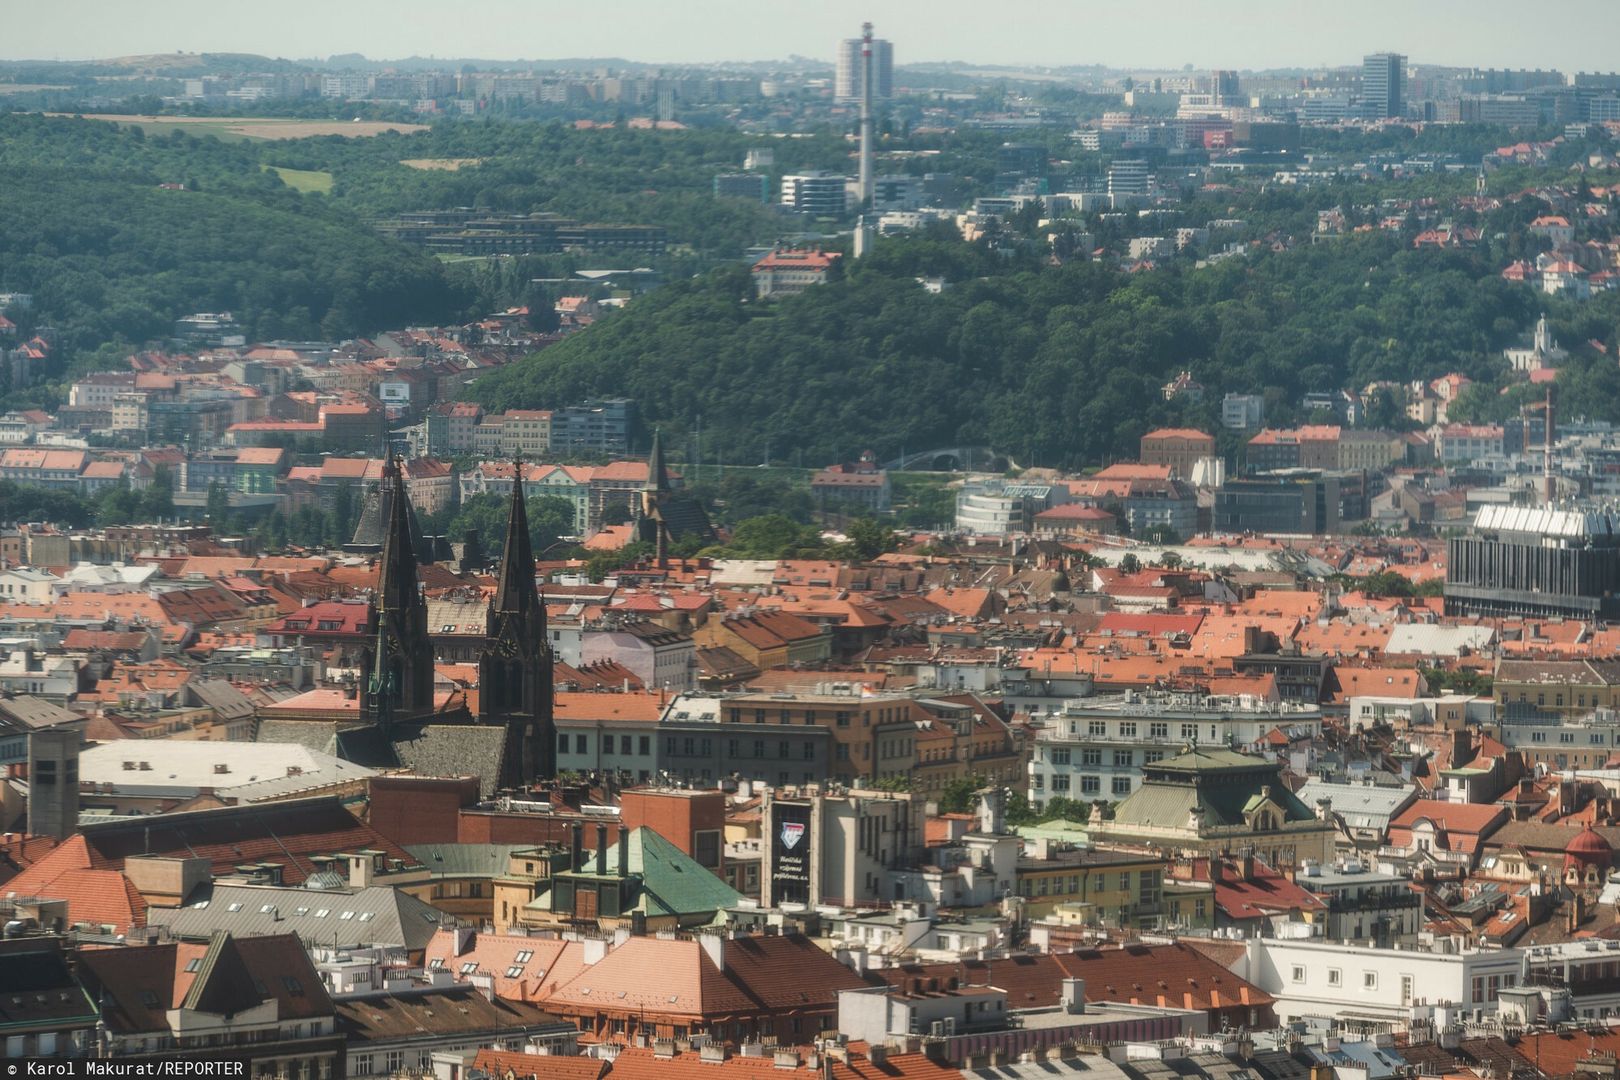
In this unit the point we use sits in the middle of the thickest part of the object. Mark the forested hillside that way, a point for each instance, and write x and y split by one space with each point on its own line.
1051 365
111 256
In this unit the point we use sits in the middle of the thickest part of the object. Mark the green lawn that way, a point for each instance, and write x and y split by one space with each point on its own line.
304 180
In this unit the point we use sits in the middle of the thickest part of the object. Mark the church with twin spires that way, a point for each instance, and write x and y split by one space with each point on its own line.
397 717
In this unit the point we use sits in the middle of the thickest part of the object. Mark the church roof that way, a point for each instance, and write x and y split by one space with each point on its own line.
452 750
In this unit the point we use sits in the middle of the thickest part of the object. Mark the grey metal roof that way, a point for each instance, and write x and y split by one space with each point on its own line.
36 712
249 771
484 860
1088 1067
1363 806
226 700
345 918
1547 521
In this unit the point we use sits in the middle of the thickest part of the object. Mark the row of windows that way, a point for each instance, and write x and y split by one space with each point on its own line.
841 717
582 744
1558 699
1595 738
1484 988
1129 729
1122 759
1089 785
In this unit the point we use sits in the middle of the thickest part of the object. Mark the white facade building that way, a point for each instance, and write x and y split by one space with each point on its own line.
1094 749
1363 986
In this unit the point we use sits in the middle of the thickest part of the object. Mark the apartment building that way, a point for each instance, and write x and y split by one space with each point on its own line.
873 737
1095 748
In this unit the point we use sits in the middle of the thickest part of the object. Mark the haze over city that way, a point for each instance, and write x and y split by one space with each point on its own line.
719 541
1245 34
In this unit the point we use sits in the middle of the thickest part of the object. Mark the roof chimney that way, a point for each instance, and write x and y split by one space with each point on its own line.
624 852
714 943
1074 995
601 849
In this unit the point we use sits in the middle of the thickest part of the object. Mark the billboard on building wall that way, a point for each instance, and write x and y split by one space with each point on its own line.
790 852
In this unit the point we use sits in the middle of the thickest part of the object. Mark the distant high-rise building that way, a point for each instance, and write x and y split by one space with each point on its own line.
1129 177
1226 88
816 192
1383 84
847 83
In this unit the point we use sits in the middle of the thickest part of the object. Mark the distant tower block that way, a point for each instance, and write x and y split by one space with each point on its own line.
53 781
866 116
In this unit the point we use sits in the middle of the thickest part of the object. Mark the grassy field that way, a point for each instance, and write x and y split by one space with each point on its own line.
253 127
442 164
304 180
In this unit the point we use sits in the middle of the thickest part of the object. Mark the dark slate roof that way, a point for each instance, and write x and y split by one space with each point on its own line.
367 746
684 516
42 990
368 531
310 734
452 750
458 1010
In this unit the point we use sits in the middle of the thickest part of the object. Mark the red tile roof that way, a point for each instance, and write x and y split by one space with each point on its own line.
1175 976
289 833
763 975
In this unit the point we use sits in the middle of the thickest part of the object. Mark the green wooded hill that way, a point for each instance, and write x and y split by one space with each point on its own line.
1052 365
112 256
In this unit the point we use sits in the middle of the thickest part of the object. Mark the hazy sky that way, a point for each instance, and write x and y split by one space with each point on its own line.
1566 34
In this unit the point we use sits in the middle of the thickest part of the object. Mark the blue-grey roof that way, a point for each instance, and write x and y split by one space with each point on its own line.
344 918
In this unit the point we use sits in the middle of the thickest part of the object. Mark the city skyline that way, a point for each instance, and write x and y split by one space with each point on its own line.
1256 35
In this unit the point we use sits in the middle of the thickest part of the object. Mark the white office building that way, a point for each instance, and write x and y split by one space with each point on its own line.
1362 988
1094 749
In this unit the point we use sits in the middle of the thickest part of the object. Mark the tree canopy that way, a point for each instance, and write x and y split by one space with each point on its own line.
1051 365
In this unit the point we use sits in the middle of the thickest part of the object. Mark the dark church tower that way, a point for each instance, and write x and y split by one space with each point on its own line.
651 528
399 666
514 669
